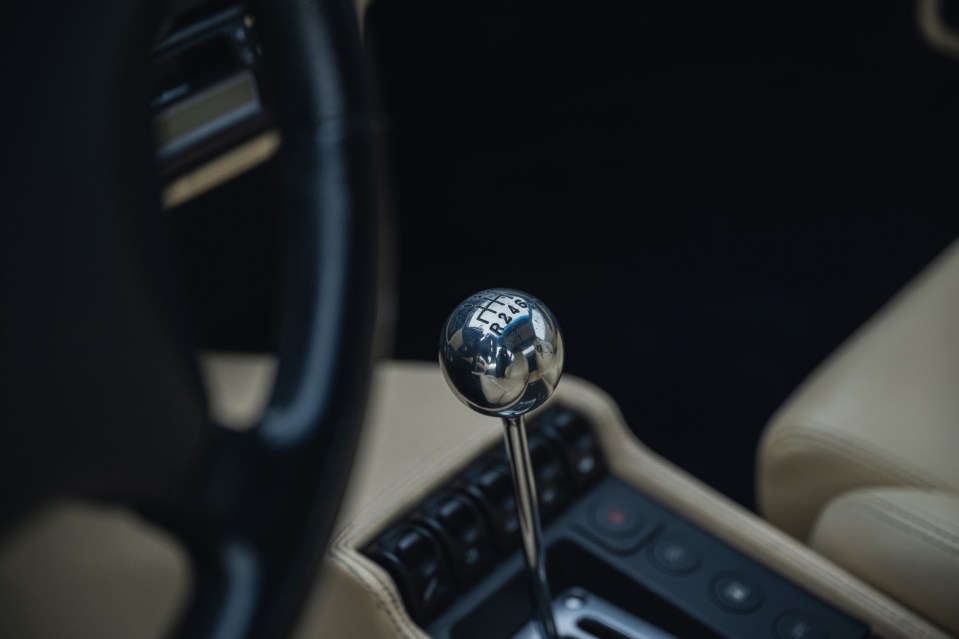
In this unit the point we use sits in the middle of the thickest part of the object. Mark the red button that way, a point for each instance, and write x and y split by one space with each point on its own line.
615 519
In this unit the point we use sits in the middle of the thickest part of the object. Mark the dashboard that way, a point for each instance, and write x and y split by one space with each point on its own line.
211 107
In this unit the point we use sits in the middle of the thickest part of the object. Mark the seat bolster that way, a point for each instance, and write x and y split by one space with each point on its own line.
804 464
883 410
905 541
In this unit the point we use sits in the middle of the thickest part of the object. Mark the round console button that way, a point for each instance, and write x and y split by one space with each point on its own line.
611 518
675 555
736 592
798 625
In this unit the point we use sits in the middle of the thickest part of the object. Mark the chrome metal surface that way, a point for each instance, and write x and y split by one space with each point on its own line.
531 531
501 352
502 355
582 615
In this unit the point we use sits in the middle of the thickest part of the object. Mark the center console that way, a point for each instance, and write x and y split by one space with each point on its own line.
622 564
426 545
625 566
571 530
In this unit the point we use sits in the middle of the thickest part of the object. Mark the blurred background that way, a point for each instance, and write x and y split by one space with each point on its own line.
710 196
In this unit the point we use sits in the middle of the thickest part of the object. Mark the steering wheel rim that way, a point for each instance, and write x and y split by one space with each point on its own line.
254 509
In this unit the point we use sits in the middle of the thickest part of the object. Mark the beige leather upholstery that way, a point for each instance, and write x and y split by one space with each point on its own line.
85 571
882 412
903 540
418 436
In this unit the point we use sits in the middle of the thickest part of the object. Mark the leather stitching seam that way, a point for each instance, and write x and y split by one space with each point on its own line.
384 596
406 491
910 524
857 450
347 556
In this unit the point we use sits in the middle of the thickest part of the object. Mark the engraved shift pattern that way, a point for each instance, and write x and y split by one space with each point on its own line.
501 352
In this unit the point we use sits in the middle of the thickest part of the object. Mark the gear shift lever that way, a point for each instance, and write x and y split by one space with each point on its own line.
502 355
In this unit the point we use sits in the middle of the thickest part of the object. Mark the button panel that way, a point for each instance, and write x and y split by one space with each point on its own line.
492 488
553 483
736 592
797 624
473 521
460 528
675 555
459 549
615 524
413 557
574 437
685 569
613 519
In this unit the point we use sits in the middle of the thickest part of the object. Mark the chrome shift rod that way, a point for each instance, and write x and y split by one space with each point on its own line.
502 355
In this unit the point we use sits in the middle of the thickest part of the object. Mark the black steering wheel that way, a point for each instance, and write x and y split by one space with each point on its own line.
101 394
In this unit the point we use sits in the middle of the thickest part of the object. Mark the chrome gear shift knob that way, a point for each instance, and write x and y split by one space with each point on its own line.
501 352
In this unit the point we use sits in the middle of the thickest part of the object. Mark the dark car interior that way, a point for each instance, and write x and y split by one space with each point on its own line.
712 199
728 191
718 194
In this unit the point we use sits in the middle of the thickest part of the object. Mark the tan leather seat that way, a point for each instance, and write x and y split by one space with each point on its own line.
862 462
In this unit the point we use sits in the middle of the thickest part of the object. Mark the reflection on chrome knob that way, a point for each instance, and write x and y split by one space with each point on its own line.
501 352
